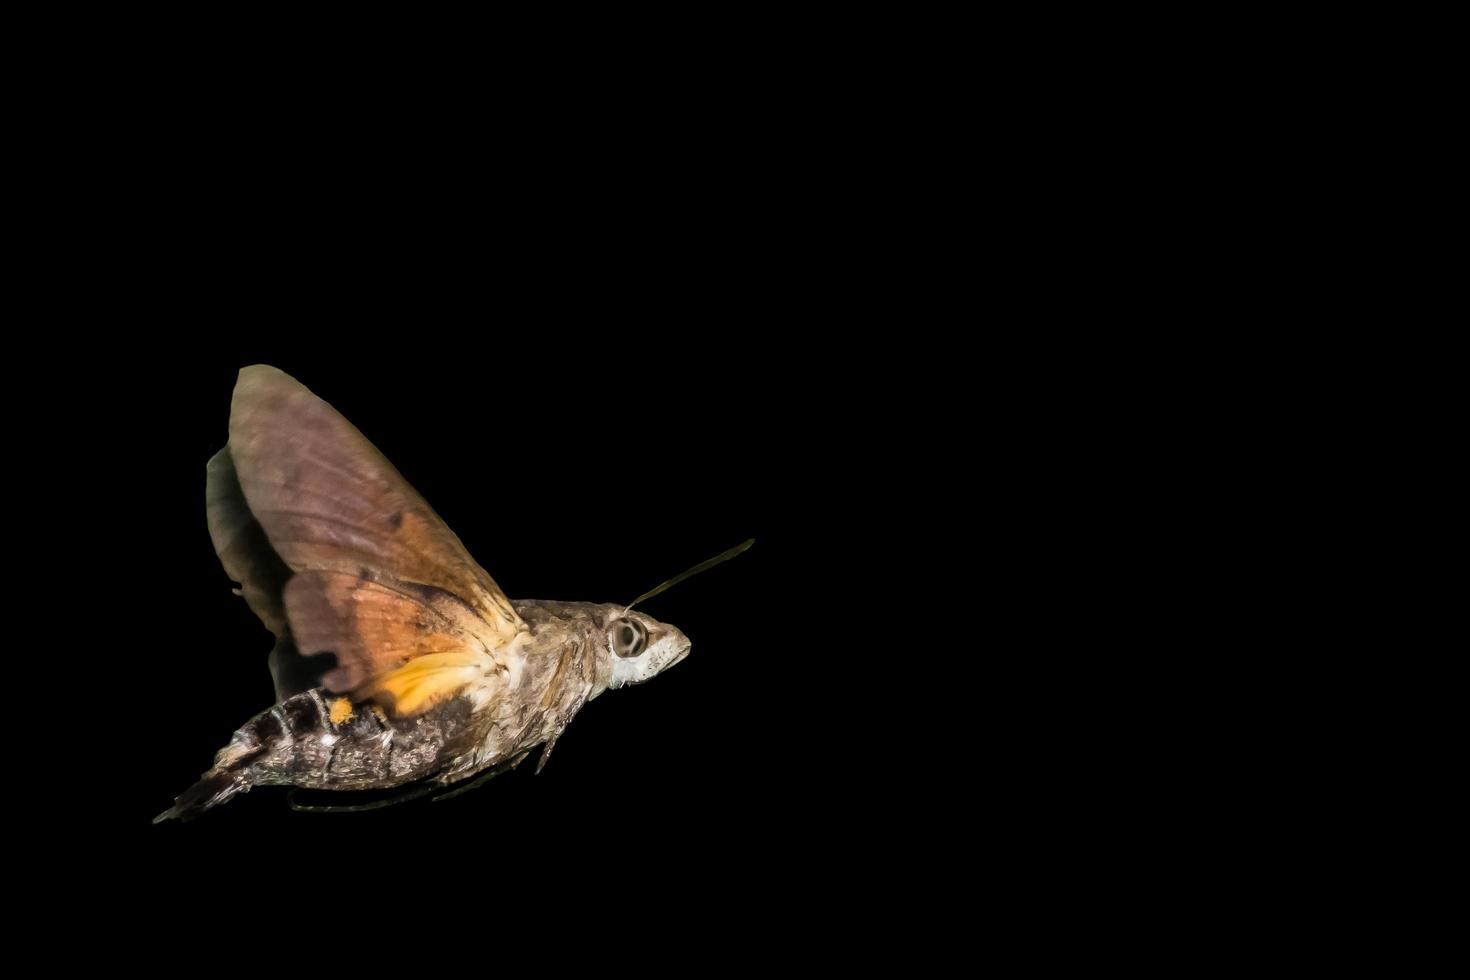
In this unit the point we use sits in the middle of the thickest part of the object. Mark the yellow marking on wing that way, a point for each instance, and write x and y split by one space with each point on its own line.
341 711
426 681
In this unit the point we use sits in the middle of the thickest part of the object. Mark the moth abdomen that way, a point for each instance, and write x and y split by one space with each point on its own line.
318 740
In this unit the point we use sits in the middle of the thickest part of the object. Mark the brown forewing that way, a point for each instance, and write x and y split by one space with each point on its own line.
329 501
334 549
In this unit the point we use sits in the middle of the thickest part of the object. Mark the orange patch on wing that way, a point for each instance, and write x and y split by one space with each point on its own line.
426 681
341 711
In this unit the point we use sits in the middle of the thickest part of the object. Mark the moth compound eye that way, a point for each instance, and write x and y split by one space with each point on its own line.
628 638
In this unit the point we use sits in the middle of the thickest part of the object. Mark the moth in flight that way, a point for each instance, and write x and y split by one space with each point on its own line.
397 658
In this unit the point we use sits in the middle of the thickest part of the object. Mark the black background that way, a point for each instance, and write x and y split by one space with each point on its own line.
694 324
595 393
802 335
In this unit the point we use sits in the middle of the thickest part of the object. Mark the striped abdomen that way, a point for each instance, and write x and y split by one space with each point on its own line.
320 741
316 740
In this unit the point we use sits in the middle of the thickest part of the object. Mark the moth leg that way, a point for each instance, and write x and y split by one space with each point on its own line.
551 742
412 794
483 779
546 752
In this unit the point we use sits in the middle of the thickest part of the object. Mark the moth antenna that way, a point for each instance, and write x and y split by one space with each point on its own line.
702 566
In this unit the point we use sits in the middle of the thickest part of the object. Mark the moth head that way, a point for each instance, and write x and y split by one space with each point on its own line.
641 646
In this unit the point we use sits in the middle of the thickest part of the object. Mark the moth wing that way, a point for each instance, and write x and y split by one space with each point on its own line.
248 558
241 544
405 647
379 578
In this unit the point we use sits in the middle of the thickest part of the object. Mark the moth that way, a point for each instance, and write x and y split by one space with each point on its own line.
397 658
